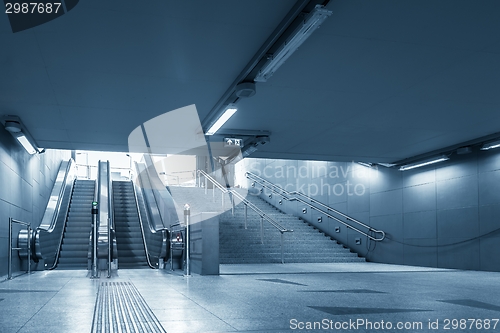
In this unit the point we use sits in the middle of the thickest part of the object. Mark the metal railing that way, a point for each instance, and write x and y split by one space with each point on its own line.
263 216
295 196
28 246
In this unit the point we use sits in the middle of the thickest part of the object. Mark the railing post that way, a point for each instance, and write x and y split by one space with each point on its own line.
282 256
187 216
246 206
262 230
94 239
222 200
29 249
110 242
213 192
206 185
9 269
232 204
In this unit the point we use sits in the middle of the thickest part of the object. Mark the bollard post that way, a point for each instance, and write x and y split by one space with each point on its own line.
262 230
187 216
282 255
94 239
110 245
29 249
245 216
9 273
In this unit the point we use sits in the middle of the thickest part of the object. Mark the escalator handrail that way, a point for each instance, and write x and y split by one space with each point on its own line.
152 226
64 227
50 226
139 182
142 230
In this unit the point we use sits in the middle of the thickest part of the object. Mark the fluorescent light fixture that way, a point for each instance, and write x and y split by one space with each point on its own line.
17 130
222 120
368 165
26 144
424 162
387 165
310 23
491 145
249 150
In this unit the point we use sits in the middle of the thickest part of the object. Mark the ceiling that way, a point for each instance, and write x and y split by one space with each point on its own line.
380 81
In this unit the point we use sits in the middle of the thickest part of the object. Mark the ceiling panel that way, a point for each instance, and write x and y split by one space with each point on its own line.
379 81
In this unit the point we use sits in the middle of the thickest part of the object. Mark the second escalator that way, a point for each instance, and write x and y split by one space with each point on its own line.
129 240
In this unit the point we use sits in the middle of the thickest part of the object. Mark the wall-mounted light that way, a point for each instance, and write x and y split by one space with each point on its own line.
228 113
368 165
292 43
16 128
491 145
424 162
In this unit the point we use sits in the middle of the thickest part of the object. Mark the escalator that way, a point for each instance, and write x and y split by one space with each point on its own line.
75 243
129 225
129 239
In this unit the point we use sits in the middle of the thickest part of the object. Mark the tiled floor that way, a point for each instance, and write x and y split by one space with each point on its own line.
267 298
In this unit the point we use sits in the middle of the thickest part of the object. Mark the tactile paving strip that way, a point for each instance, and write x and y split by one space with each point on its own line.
120 308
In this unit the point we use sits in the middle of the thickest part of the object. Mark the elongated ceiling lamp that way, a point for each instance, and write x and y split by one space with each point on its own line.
299 36
422 163
230 110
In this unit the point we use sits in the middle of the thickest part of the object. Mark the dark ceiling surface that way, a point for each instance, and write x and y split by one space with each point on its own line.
380 81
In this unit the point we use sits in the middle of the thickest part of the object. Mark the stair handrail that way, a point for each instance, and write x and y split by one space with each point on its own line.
246 202
263 216
290 196
68 181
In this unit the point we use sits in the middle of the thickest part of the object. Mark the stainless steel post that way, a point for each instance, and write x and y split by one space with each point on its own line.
246 216
171 263
262 230
94 247
94 239
232 204
29 249
213 192
187 216
206 185
9 274
110 242
222 200
282 256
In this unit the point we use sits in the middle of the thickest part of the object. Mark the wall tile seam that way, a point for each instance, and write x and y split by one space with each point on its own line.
393 214
16 206
482 174
418 211
459 177
419 184
489 204
457 208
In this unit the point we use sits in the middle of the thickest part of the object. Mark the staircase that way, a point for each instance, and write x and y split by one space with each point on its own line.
130 246
76 238
237 245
